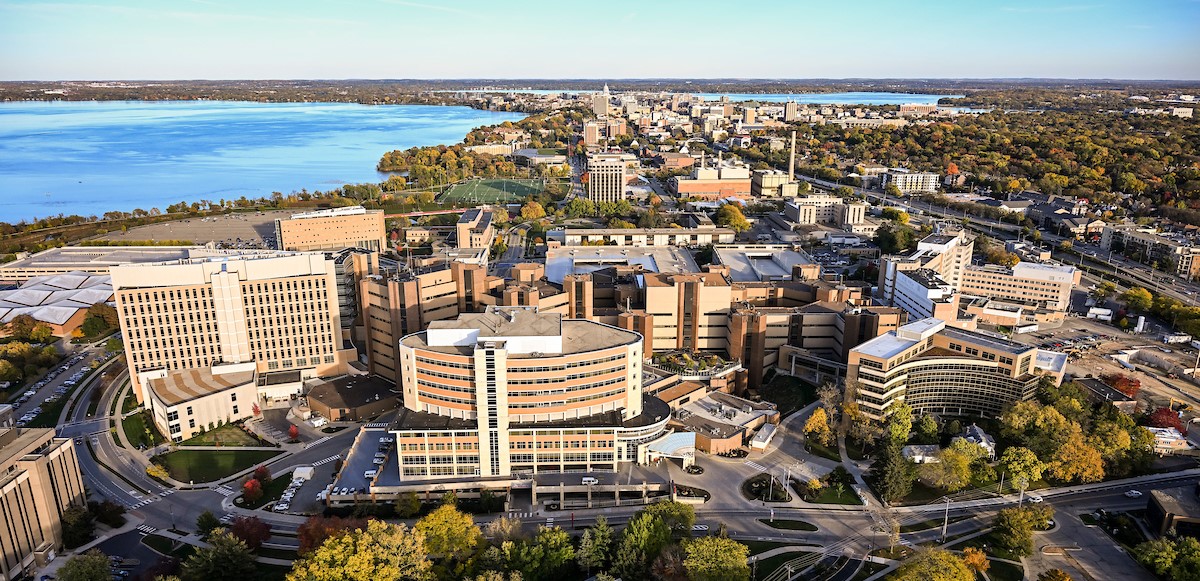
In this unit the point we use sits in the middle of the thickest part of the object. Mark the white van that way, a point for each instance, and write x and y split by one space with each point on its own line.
588 480
370 474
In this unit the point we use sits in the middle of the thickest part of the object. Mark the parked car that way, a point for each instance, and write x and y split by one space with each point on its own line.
1133 493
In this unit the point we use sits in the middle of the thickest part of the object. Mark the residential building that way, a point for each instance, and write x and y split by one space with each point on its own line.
935 368
335 229
277 310
593 132
791 111
41 480
921 453
975 435
600 102
606 177
910 182
1174 252
514 391
1170 441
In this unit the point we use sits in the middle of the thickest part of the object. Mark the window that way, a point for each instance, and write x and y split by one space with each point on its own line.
172 416
235 410
192 424
189 410
232 397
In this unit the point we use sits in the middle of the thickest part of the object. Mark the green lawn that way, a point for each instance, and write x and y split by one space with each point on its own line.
789 393
1003 571
492 191
867 570
210 465
764 567
828 452
855 450
231 435
921 494
991 542
789 525
766 488
830 496
129 403
141 431
931 523
165 546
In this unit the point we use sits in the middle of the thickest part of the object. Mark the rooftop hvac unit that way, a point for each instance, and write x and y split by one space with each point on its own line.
746 408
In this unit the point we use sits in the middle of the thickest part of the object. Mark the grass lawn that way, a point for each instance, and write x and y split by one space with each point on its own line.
931 523
1088 519
757 547
492 191
129 403
210 465
830 496
789 393
765 567
921 494
165 546
766 488
271 492
993 547
229 435
135 427
827 452
1003 571
855 450
789 525
897 553
867 570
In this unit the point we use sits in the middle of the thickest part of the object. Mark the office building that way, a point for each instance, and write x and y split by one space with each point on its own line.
593 132
276 310
1174 509
606 177
910 182
474 229
39 480
939 369
600 102
772 183
1045 286
513 391
642 237
335 229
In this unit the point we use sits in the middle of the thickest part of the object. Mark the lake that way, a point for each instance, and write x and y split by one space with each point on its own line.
91 157
847 98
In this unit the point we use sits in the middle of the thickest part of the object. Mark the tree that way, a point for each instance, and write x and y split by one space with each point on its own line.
892 474
816 427
976 560
927 430
156 471
1055 575
503 529
1041 428
252 490
206 523
952 471
1157 555
314 531
263 474
1104 290
378 551
1187 563
731 216
41 333
1137 299
113 345
1077 461
90 566
668 566
595 547
1015 525
933 565
899 422
408 505
1021 464
532 211
715 559
250 530
556 550
21 327
78 526
449 533
226 558
641 542
1164 417
677 515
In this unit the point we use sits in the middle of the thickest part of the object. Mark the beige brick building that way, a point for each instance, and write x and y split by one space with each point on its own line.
352 227
1039 285
276 310
39 479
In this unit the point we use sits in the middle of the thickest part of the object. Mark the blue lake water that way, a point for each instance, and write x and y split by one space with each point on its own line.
849 98
91 157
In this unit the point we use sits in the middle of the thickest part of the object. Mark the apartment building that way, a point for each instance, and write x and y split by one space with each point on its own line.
514 391
1175 253
277 310
939 369
1045 286
606 177
39 480
334 229
911 182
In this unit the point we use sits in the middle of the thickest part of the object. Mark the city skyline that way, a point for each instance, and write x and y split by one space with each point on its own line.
212 39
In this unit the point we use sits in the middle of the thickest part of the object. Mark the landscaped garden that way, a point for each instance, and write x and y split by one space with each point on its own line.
141 431
766 488
228 435
787 393
210 465
690 362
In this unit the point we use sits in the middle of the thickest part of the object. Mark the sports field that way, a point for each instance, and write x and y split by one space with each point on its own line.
495 191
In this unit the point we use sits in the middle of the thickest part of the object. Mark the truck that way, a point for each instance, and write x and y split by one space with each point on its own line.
1169 338
1025 328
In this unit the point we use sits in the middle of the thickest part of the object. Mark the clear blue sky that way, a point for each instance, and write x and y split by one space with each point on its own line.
601 39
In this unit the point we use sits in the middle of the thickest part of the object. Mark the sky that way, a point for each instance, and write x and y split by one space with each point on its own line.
597 39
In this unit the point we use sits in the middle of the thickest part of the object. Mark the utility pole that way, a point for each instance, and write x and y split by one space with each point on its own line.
946 518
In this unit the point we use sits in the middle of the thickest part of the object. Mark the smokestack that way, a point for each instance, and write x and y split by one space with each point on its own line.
792 160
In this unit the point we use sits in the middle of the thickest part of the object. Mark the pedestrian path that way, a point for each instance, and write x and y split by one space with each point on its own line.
146 529
756 466
520 515
327 460
225 490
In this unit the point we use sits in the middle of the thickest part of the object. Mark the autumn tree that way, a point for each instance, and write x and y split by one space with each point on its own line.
952 471
1158 555
731 216
226 558
933 565
1125 384
715 559
532 211
1164 417
1014 527
1077 461
90 566
315 530
378 551
816 427
1055 575
250 530
449 533
1021 464
262 474
976 560
252 490
1137 299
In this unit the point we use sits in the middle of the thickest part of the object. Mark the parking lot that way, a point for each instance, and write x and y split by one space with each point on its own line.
57 384
370 452
240 230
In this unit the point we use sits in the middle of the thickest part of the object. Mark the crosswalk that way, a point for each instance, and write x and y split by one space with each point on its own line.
520 515
756 466
225 490
146 529
327 460
319 441
149 499
378 425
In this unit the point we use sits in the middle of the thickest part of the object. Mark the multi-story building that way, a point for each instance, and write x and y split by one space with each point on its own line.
643 236
923 294
1175 253
947 255
772 183
939 369
600 102
39 480
188 402
606 177
593 132
1045 286
791 111
911 182
474 229
276 310
514 391
351 227
826 209
713 183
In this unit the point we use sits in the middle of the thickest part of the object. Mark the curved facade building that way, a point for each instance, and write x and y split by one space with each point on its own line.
513 391
945 370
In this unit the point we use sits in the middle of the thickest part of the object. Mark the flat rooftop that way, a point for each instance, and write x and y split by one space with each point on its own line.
95 259
188 384
759 262
351 391
578 336
506 323
1180 501
566 260
993 343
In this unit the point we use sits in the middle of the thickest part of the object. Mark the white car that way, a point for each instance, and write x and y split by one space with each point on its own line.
1035 498
386 439
1133 493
